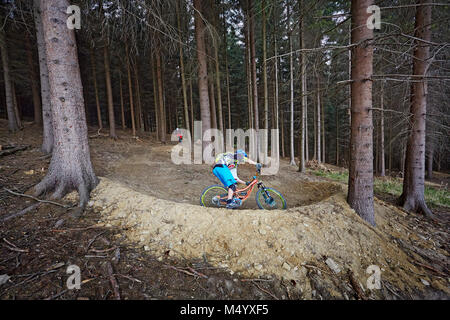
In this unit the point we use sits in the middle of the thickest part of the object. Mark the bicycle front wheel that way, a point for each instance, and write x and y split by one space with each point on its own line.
270 199
211 196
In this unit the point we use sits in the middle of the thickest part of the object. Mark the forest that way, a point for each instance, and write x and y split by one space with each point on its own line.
352 97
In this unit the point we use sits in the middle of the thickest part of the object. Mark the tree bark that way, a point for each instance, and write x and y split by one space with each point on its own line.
130 90
360 185
47 138
182 72
161 111
97 99
202 69
122 111
318 134
253 66
382 155
304 97
291 122
112 121
12 121
34 82
70 166
413 196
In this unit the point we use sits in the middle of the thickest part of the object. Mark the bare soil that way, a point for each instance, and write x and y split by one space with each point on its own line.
145 221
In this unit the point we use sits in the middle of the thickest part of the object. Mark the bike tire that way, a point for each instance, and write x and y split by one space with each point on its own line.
210 192
276 195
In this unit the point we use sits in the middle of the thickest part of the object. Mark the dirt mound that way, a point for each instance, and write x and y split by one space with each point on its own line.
286 244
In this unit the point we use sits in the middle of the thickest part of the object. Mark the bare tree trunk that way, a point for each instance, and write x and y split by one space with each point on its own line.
70 166
217 71
12 121
253 65
430 161
413 197
291 62
122 111
47 139
156 99
112 121
360 185
16 105
266 90
318 134
382 155
34 82
322 119
139 112
202 69
304 97
337 136
162 114
182 72
130 90
97 100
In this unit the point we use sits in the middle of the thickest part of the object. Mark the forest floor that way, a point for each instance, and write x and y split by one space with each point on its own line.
144 236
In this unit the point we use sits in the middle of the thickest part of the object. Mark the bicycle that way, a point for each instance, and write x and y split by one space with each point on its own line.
267 198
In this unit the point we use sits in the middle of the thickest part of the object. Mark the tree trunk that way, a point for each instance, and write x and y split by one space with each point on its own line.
413 198
156 99
34 82
161 111
112 121
139 112
122 111
183 77
47 138
70 166
12 121
253 66
318 134
291 122
97 100
304 97
382 155
430 161
212 100
202 69
266 91
337 136
360 185
17 110
130 90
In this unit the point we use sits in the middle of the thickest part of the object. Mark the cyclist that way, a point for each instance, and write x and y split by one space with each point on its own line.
225 169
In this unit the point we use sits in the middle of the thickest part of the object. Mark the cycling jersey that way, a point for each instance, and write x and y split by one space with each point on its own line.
228 159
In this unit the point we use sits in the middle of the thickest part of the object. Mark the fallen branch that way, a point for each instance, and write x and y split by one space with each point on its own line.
113 280
11 150
21 212
36 199
356 286
265 291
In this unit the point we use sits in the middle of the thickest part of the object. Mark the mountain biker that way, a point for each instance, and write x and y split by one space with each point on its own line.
225 169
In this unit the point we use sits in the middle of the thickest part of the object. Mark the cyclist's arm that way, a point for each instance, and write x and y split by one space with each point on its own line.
252 162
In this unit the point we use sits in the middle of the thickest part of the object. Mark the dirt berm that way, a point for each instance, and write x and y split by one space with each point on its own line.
313 246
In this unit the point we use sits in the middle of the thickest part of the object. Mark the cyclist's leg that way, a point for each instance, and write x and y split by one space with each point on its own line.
227 179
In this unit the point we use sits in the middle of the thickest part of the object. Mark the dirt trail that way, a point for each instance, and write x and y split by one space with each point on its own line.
155 205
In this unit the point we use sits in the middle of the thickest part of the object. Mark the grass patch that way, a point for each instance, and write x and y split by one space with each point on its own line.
433 196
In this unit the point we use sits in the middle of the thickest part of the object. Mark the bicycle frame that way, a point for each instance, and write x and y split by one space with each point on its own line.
244 194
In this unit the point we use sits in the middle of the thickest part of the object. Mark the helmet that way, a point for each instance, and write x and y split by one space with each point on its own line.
241 155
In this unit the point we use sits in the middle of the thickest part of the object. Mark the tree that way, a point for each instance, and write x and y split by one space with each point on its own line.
360 184
413 196
70 166
12 117
112 122
34 82
202 68
47 135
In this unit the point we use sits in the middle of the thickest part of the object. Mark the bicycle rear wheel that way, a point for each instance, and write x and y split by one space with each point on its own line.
270 199
211 195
